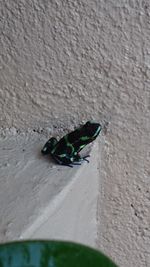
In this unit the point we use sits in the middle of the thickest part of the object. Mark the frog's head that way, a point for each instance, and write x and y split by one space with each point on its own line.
92 129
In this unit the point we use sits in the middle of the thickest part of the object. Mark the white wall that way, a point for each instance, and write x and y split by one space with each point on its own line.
63 62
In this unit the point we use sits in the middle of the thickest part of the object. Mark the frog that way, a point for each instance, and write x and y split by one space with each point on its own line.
66 150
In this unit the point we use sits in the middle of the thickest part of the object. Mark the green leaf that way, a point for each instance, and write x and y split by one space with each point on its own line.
51 254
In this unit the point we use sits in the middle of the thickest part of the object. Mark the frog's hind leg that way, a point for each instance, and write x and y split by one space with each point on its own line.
61 161
47 148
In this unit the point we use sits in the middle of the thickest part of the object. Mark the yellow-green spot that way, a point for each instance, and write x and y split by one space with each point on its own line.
84 138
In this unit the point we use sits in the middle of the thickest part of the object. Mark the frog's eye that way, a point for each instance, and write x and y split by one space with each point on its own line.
88 123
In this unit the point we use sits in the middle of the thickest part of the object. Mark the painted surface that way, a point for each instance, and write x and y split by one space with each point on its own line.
63 62
41 199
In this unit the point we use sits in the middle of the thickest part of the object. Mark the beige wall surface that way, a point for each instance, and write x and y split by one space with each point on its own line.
68 61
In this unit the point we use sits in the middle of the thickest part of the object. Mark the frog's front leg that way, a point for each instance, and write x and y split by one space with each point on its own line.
85 158
50 144
78 158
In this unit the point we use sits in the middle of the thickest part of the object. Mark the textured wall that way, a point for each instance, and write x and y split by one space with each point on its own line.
54 61
71 59
66 61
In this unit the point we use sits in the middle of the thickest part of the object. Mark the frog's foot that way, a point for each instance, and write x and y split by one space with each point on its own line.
47 148
85 158
76 163
67 165
72 164
78 158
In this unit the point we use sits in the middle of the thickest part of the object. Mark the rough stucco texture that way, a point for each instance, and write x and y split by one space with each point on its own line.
64 61
71 59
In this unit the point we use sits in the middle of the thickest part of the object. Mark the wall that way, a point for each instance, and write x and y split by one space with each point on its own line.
63 62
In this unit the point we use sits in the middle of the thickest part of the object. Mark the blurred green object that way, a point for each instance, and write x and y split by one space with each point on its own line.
51 254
